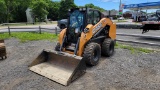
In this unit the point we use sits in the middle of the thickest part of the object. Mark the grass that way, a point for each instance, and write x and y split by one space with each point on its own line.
29 36
133 49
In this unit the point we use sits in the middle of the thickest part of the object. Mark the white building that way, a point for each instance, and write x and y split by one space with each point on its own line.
29 15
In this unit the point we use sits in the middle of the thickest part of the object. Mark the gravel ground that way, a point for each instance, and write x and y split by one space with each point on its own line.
123 71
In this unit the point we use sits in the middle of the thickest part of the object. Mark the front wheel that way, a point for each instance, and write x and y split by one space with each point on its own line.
92 54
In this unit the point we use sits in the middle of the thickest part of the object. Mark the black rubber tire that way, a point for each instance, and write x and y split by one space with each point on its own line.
57 48
108 47
92 54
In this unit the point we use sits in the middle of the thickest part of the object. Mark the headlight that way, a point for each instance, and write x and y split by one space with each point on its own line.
86 30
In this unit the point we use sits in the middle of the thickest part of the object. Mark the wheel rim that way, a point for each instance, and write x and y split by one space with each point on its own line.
95 55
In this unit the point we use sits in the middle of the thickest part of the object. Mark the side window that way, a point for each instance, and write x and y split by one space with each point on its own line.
90 17
96 17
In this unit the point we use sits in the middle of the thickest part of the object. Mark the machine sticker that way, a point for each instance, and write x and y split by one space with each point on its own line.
97 27
104 21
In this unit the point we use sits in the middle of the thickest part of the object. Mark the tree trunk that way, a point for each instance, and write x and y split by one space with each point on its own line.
7 14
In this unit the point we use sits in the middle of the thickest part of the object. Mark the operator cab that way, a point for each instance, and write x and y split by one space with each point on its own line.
78 19
75 24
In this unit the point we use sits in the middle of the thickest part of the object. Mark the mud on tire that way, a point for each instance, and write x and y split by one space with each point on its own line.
108 47
92 54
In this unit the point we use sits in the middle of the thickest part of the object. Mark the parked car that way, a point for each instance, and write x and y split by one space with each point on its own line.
121 18
62 23
154 18
142 18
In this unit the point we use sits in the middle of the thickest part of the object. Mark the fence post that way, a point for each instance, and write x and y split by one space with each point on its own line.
56 31
9 31
40 29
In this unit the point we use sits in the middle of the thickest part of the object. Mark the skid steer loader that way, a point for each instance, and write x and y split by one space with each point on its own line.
88 35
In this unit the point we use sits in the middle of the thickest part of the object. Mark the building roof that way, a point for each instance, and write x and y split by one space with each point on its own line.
112 12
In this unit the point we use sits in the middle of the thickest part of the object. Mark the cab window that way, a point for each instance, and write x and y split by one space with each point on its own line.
96 17
90 17
93 17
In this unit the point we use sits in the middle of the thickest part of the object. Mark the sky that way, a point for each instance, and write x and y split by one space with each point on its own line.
111 4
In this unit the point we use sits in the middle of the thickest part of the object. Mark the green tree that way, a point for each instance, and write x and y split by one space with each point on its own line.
10 7
39 8
90 5
95 7
6 7
53 10
65 5
2 11
19 14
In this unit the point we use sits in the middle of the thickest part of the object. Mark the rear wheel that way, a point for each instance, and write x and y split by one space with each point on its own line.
92 54
57 48
108 47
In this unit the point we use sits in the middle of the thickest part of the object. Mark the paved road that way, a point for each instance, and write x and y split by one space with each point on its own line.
138 31
149 37
34 28
139 39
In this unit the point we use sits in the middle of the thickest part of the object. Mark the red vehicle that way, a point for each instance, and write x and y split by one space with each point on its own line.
151 25
142 18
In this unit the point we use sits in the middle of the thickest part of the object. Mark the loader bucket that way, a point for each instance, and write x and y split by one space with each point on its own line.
60 67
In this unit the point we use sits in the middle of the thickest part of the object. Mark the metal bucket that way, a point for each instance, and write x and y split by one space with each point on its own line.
60 67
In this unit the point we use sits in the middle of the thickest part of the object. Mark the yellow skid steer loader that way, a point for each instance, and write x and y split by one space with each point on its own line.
88 35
